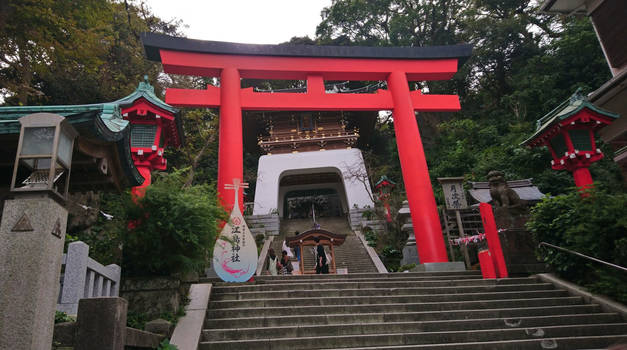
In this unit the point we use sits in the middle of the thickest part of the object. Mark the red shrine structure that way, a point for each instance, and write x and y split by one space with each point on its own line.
397 66
568 132
154 126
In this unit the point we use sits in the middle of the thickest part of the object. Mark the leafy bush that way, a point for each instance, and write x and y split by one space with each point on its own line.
175 228
391 258
165 345
370 236
407 267
60 317
595 226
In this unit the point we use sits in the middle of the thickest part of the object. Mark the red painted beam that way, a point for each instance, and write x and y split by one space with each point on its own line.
193 98
298 68
315 101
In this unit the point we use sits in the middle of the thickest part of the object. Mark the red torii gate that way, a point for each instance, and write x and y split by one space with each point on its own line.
315 64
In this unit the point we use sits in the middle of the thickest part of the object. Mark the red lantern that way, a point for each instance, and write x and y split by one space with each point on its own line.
385 187
154 126
568 132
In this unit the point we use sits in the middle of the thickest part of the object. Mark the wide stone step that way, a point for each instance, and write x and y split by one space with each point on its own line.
315 293
404 327
392 307
351 278
396 339
300 318
585 342
383 299
371 275
376 283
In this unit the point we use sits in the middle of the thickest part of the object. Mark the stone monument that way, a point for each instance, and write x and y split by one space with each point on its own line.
32 233
511 213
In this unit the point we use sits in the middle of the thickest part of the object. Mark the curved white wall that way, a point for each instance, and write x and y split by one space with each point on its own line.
273 167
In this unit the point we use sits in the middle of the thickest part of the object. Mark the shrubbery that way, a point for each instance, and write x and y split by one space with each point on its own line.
175 228
596 226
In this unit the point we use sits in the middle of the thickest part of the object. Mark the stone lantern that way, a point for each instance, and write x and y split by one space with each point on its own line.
385 187
44 155
568 132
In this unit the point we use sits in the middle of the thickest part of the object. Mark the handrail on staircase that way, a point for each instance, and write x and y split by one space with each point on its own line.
582 255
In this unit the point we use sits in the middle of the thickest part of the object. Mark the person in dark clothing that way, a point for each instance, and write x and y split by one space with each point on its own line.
321 258
297 248
286 264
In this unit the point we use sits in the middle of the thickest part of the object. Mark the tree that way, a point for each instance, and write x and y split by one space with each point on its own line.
69 52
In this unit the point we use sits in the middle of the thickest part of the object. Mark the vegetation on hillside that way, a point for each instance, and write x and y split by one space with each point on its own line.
595 226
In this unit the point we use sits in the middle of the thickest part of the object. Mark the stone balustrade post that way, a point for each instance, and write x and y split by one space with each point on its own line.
74 277
101 324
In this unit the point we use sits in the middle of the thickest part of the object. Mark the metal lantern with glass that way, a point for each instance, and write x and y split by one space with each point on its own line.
44 155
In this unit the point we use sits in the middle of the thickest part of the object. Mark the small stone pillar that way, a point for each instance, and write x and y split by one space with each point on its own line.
101 324
32 233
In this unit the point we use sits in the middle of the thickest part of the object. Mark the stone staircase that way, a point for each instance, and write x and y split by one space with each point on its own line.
351 255
454 310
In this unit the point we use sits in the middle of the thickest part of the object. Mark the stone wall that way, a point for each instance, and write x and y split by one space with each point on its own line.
154 296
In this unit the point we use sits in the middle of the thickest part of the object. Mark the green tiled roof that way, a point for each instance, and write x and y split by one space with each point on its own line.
108 113
566 109
103 122
383 179
146 91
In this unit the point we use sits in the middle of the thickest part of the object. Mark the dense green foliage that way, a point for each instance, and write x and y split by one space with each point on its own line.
176 227
594 226
523 65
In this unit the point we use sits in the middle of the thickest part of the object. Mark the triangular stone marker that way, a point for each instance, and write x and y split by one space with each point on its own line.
56 231
23 225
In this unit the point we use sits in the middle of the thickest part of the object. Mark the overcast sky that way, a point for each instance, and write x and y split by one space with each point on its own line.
244 21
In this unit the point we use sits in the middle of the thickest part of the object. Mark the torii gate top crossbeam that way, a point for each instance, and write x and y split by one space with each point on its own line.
312 63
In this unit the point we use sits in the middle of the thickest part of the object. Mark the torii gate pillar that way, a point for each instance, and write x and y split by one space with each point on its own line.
424 211
230 141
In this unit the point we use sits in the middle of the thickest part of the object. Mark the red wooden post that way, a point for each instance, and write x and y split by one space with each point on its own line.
487 264
424 212
583 179
231 149
492 236
140 191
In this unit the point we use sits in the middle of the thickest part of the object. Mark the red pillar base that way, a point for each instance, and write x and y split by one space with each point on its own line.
487 264
494 242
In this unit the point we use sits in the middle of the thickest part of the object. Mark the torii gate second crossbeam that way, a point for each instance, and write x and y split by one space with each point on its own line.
315 64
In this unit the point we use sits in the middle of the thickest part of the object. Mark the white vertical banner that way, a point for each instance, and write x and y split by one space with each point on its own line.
235 251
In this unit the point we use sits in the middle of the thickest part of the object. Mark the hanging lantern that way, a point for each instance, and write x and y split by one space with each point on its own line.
385 187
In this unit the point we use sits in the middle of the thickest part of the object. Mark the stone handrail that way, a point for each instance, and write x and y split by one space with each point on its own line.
372 253
262 255
85 278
